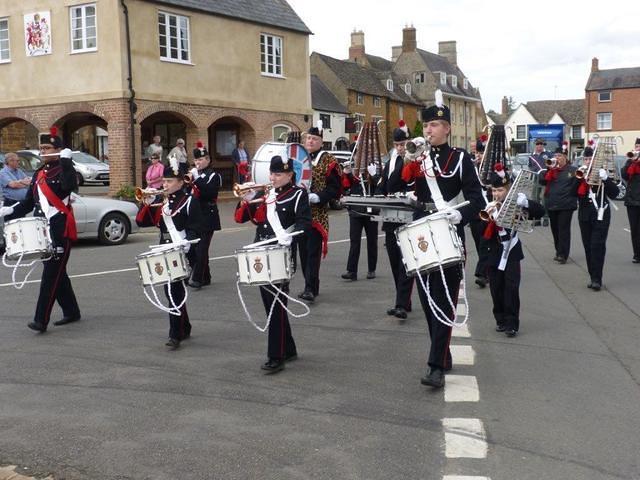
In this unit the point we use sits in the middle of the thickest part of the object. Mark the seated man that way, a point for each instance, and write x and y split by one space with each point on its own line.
14 182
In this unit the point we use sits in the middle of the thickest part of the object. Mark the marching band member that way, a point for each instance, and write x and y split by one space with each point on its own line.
504 254
594 217
561 201
179 219
631 174
450 171
205 183
360 219
391 182
286 205
477 226
49 196
325 186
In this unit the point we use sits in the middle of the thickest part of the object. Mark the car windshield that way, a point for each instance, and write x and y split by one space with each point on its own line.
29 162
82 157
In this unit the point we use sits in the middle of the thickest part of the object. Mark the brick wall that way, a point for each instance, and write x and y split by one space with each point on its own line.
624 105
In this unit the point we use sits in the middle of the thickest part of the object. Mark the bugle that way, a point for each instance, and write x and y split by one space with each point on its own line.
489 211
582 172
141 193
240 189
551 162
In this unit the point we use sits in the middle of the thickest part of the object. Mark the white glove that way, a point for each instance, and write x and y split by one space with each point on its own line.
602 173
250 195
148 200
346 169
194 173
284 238
186 246
522 200
65 153
4 211
453 215
314 198
371 168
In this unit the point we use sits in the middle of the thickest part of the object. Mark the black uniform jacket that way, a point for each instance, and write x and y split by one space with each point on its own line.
587 211
62 180
292 205
393 183
207 184
493 245
562 192
188 217
632 197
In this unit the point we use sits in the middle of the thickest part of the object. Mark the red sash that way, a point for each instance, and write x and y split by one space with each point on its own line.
70 230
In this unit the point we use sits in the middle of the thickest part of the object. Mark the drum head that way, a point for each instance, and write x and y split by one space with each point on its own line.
301 162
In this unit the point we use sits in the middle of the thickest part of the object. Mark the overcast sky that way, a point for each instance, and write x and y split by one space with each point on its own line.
536 50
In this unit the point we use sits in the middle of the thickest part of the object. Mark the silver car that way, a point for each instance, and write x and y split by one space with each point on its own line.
110 221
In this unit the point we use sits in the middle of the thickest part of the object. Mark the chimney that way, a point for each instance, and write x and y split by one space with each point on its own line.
395 52
356 50
448 51
409 43
594 65
505 106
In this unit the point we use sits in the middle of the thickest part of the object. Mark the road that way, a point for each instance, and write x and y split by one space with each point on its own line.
104 399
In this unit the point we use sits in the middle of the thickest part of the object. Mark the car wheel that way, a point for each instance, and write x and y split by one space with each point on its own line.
80 179
622 191
113 229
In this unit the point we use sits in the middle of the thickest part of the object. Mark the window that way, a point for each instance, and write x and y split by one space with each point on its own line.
376 118
5 53
390 85
521 131
84 36
326 120
443 78
359 99
465 83
576 131
376 102
603 121
419 77
407 88
604 96
271 55
173 33
280 132
452 113
454 81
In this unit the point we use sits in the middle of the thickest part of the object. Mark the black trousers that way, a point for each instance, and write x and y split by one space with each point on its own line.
594 239
634 225
477 228
357 223
310 256
56 287
561 230
402 282
439 353
280 343
201 271
179 325
505 293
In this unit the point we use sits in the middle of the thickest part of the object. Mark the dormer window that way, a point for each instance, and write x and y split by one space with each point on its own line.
407 88
454 81
390 85
465 83
443 78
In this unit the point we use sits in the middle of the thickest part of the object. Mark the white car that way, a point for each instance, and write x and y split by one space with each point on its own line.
90 170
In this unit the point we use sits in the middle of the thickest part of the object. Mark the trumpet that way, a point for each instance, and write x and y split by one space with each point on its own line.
188 179
240 189
488 212
551 162
582 172
142 193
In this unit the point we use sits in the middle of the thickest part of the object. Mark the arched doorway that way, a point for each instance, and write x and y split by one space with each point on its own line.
85 132
17 134
224 135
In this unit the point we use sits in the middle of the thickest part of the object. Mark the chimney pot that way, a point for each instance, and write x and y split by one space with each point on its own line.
409 43
448 50
595 64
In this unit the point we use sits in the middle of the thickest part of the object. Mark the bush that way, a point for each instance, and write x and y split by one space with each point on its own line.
417 130
126 192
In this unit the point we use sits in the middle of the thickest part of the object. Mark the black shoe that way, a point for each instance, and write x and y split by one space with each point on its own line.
206 282
392 311
291 358
590 284
308 296
195 285
635 260
500 328
371 275
596 286
349 276
511 333
557 258
173 343
561 260
400 313
435 378
481 282
37 326
66 320
273 366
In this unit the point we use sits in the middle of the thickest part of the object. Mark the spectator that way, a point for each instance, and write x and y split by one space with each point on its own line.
180 153
155 147
154 172
240 156
13 181
145 153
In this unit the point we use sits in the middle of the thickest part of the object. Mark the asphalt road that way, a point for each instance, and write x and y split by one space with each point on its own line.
104 399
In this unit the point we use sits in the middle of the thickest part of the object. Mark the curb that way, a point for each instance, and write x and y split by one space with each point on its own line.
9 473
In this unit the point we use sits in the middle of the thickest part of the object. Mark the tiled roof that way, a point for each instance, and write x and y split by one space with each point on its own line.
571 111
379 63
614 78
497 118
323 99
438 63
277 13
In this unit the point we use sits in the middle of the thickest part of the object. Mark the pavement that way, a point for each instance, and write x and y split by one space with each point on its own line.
104 399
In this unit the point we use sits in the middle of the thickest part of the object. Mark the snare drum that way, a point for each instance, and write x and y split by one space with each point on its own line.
28 237
429 242
162 265
264 265
301 162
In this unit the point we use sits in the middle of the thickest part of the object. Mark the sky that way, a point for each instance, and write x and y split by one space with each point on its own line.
538 50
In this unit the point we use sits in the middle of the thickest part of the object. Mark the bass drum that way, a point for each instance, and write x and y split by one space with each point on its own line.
301 162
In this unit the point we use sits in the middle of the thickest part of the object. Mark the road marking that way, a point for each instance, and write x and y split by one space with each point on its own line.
461 388
628 230
463 354
461 310
464 477
464 438
461 332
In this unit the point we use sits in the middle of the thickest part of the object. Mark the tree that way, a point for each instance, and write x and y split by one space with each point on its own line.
417 130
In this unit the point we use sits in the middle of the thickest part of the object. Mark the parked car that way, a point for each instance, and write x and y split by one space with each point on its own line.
620 160
89 169
29 161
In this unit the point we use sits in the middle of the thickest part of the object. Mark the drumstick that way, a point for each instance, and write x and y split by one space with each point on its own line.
170 245
270 240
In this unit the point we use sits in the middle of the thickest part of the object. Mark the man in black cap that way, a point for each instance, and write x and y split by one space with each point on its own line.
539 158
391 182
325 186
631 174
285 208
449 172
561 200
50 196
504 254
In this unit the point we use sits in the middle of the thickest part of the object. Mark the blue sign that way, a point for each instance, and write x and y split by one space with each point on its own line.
552 134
